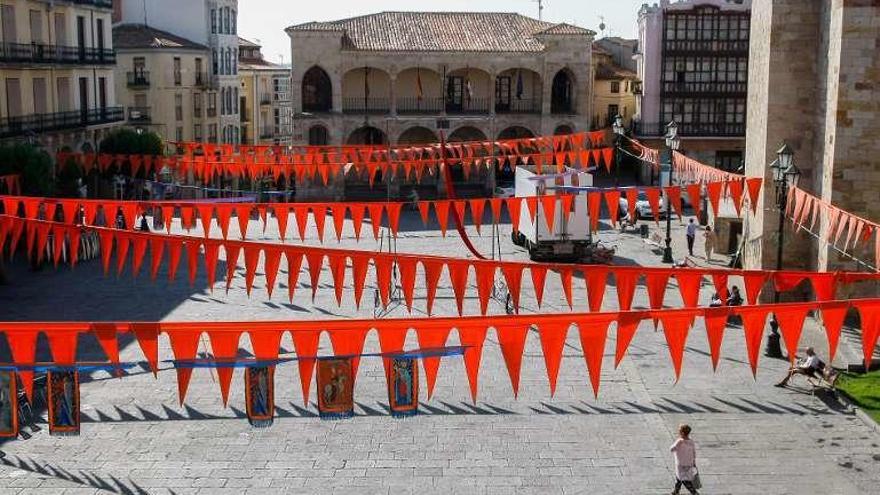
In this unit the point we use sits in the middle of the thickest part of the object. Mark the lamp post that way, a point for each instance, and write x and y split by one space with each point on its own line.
618 142
672 144
785 176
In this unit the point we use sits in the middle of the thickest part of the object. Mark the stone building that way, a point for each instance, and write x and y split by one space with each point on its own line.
212 23
163 81
622 50
614 90
405 77
56 67
265 97
814 83
693 59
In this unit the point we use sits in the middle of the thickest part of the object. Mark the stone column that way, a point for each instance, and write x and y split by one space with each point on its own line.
393 94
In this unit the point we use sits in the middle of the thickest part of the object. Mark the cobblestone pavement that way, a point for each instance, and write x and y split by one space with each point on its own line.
751 437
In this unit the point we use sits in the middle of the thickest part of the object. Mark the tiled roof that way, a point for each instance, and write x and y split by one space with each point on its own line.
443 31
247 43
141 36
611 71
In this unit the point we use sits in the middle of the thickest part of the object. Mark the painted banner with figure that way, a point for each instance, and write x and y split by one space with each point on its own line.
259 386
335 388
403 387
64 402
8 405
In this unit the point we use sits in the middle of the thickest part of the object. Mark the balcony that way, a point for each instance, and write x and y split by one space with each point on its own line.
706 46
138 79
139 115
37 53
266 99
371 106
691 129
714 87
419 106
527 105
468 106
107 4
205 81
48 122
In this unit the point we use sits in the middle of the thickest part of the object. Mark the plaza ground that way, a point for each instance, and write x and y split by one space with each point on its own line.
751 437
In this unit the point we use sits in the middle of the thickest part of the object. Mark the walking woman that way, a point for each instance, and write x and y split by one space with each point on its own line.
685 453
710 243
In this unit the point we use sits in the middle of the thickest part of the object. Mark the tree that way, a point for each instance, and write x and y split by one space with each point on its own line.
129 142
32 164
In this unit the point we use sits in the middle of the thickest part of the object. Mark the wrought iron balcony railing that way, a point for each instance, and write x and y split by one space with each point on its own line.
38 53
48 122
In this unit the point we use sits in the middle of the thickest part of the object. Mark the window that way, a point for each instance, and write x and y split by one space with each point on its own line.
36 26
198 71
502 93
226 20
197 132
729 161
212 105
212 133
318 136
213 21
178 107
7 16
177 77
40 99
615 86
197 105
613 110
179 134
235 99
63 88
234 23
214 61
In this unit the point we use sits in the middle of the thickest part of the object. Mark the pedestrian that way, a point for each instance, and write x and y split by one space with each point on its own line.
691 235
685 453
710 243
735 298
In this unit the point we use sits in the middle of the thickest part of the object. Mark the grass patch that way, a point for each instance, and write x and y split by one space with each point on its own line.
863 390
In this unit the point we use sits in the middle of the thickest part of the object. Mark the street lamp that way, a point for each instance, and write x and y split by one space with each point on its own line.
785 176
618 142
672 143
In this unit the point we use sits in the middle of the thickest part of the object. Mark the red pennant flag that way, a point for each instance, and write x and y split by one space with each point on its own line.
754 187
689 283
224 214
833 316
736 191
383 278
23 345
754 283
301 214
626 286
184 346
716 323
147 335
532 205
273 260
106 335
424 207
375 210
713 190
791 324
656 282
607 154
553 335
632 197
495 205
305 342
393 212
140 249
653 194
206 212
597 279
349 343
594 206
627 324
485 273
869 313
674 195
720 281
432 277
593 331
294 262
338 212
69 209
676 325
232 252
359 264
315 259
337 269
407 267
441 209
477 207
174 248
186 217
123 241
514 206
539 274
512 340
432 337
224 345
266 343
391 340
62 343
357 218
612 200
754 319
472 338
549 207
281 216
824 286
251 258
693 192
785 282
320 216
168 217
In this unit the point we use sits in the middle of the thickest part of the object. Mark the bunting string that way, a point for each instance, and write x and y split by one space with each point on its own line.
348 338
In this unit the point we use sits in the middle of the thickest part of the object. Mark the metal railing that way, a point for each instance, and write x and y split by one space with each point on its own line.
468 105
107 4
366 105
38 53
703 129
564 107
138 79
46 122
204 81
709 46
414 105
266 99
705 87
526 105
139 114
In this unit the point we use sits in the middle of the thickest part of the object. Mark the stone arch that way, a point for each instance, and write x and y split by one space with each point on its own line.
518 90
317 91
467 133
417 135
468 90
367 135
366 89
516 132
562 92
413 100
319 135
563 130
